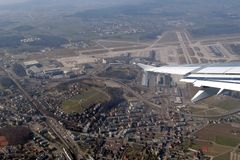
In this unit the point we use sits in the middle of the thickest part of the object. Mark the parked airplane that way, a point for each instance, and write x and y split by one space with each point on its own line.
212 79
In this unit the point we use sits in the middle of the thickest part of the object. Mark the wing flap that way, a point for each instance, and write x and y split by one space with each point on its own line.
204 93
210 88
216 84
212 80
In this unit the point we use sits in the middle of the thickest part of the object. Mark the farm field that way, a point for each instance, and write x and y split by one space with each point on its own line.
217 140
85 99
225 156
221 133
215 106
210 148
123 73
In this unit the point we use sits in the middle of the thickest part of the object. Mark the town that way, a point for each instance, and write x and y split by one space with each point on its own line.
107 108
110 80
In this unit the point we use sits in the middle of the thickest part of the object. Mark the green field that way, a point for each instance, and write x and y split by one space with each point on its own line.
229 104
225 103
204 111
197 110
219 140
124 73
85 99
215 106
220 134
227 141
225 156
213 148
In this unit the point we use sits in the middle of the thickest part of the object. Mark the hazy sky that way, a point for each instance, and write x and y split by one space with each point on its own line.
7 2
2 2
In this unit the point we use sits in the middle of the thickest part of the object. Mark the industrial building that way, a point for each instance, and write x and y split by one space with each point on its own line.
29 64
35 71
53 71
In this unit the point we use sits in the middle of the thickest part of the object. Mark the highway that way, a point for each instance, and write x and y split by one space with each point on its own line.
69 144
136 94
61 133
213 116
127 88
163 109
123 85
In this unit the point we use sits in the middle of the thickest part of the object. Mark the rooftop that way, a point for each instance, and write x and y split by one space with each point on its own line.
31 62
35 69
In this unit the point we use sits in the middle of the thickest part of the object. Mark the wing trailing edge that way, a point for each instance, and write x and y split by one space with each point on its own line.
177 70
213 79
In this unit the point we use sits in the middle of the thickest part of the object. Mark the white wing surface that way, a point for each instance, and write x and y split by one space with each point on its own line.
213 79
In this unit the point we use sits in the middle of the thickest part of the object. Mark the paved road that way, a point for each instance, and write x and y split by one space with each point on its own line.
213 116
162 109
136 94
65 138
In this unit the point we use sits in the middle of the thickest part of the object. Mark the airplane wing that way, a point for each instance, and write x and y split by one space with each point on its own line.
213 79
178 70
